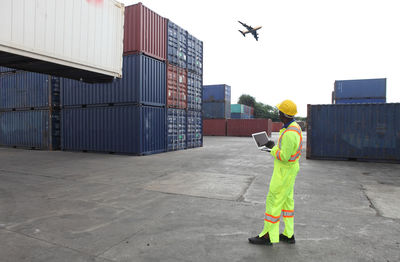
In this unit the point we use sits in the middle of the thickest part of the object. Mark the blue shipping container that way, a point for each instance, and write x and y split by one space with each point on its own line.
38 129
194 55
217 110
7 70
23 90
217 93
143 81
177 45
176 128
360 101
368 132
195 92
194 129
360 89
137 130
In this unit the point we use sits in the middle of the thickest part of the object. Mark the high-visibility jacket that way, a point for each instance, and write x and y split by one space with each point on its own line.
288 150
279 201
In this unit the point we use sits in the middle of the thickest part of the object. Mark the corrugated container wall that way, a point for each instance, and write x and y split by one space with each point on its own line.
74 39
216 110
144 82
367 132
38 129
194 55
194 93
177 45
360 91
137 130
217 93
214 127
247 127
176 128
145 32
176 87
27 90
194 129
276 126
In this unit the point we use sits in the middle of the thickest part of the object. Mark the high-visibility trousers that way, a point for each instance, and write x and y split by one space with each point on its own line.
280 201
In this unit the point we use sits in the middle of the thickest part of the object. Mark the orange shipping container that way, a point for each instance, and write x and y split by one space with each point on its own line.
176 87
214 127
145 32
246 127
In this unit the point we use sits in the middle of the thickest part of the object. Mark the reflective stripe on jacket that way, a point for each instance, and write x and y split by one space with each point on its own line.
289 144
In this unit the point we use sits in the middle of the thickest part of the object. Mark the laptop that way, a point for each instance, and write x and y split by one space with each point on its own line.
261 140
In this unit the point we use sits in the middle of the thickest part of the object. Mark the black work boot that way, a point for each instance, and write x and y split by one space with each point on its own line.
260 240
284 238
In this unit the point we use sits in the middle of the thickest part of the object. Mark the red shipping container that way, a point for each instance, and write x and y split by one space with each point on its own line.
176 87
145 32
214 127
276 126
247 127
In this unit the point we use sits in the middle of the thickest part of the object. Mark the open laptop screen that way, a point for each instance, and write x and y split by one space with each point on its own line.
261 139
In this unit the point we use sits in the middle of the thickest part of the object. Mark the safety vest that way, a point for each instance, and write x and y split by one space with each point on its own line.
294 157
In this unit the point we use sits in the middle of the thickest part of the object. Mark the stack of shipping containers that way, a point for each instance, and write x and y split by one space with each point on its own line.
216 109
194 91
239 111
155 107
184 89
29 110
145 112
359 91
358 126
127 115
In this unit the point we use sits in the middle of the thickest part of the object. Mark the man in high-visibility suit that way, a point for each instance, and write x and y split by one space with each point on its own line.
286 166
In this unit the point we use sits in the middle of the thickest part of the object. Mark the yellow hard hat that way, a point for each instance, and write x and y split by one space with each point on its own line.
287 107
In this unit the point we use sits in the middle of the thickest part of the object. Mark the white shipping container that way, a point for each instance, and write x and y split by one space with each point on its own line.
81 39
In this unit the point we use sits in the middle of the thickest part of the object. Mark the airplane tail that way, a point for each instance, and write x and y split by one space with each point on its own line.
242 33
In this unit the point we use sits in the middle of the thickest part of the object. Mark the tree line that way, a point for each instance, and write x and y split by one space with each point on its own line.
262 110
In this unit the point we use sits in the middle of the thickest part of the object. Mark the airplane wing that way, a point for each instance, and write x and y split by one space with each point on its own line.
247 26
255 35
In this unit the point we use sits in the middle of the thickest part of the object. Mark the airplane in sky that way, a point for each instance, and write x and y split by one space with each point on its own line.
252 30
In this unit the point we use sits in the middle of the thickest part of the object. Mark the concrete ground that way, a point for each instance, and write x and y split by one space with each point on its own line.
194 205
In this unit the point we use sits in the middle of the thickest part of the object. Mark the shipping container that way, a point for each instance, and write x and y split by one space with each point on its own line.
214 127
194 55
276 126
144 82
216 110
366 132
247 127
33 129
239 111
145 32
237 108
69 38
194 129
360 101
176 128
176 87
27 90
217 93
241 116
360 90
194 93
177 45
137 130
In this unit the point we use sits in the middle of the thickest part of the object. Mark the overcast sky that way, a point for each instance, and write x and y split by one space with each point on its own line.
303 47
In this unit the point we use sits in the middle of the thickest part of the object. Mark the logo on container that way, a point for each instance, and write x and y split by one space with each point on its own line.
96 2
